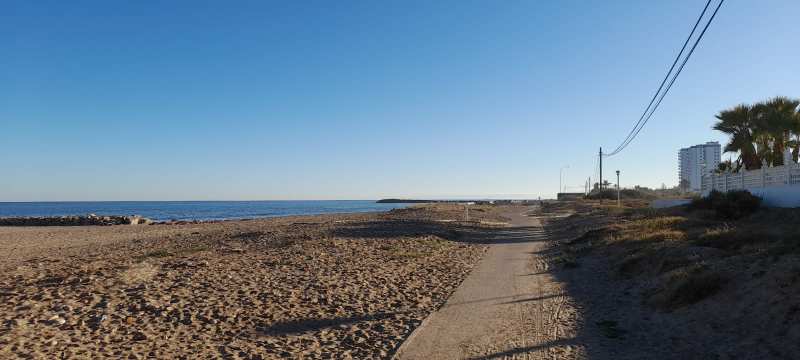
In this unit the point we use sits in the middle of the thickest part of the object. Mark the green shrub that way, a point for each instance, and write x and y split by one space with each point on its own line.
745 202
729 205
611 194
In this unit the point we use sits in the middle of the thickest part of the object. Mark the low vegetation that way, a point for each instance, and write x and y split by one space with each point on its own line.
729 205
611 194
688 286
690 253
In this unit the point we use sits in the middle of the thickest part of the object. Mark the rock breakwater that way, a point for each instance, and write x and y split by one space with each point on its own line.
74 220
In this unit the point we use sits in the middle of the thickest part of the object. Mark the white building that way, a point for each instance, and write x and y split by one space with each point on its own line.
696 161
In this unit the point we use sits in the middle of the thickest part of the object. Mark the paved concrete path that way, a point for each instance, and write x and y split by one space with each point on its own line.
506 308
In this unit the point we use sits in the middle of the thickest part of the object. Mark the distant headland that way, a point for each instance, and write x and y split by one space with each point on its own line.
478 202
406 201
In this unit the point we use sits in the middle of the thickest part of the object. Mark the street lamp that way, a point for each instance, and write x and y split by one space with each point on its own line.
560 172
618 202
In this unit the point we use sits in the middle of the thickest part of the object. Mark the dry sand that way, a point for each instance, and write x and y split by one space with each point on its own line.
333 286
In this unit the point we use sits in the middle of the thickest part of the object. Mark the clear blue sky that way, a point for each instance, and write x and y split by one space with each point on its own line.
146 100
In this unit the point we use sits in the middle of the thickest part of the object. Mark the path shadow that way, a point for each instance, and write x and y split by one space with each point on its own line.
501 298
535 298
524 350
450 231
536 273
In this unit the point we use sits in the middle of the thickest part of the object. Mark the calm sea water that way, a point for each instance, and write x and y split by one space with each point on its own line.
192 210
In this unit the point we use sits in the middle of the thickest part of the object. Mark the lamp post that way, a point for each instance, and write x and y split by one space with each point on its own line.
619 204
560 172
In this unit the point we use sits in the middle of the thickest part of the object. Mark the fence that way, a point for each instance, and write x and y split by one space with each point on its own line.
778 186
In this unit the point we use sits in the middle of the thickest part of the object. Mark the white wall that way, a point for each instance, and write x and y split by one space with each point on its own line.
778 186
779 196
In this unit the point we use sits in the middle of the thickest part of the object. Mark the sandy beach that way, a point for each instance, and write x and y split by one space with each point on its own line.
581 280
329 286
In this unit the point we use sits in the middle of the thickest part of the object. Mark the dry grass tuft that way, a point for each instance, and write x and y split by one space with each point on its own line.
688 286
565 260
717 232
664 235
654 230
660 223
730 238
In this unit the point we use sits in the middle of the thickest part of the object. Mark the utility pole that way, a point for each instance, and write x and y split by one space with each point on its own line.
618 202
586 187
601 169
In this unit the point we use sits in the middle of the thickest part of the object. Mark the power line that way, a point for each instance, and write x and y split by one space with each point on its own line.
643 120
664 81
676 74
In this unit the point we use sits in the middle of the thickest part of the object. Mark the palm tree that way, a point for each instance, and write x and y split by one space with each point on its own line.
775 121
794 143
783 114
725 166
739 123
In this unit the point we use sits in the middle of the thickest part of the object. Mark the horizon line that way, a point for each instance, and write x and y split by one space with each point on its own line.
432 198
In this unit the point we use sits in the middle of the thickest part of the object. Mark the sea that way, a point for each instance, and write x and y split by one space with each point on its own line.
193 210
